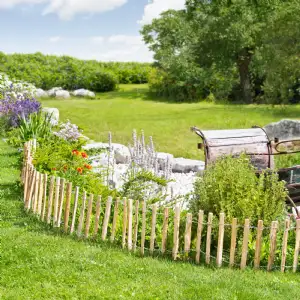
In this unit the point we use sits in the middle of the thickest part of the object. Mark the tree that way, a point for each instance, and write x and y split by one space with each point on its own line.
222 35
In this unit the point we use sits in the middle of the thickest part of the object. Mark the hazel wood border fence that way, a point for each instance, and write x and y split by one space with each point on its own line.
48 199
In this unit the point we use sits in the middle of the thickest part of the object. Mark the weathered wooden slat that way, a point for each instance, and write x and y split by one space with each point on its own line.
124 223
273 235
50 200
208 238
61 200
245 244
56 199
165 230
143 236
233 242
136 224
199 236
82 213
129 225
88 216
74 209
284 243
176 232
97 216
297 246
220 240
187 235
153 225
106 218
44 197
67 206
41 193
260 228
36 193
115 220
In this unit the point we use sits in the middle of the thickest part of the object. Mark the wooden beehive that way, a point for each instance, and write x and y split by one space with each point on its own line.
253 142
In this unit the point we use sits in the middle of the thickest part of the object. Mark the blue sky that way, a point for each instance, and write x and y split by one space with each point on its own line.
106 30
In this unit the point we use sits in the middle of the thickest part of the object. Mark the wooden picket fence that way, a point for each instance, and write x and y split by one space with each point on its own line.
55 202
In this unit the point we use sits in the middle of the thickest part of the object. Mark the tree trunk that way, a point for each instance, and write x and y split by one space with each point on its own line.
244 61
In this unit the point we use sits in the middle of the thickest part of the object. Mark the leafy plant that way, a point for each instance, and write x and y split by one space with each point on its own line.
230 185
143 185
36 126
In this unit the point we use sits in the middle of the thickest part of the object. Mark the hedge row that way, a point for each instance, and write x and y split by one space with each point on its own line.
47 71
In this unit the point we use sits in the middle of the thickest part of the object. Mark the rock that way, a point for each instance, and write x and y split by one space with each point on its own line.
62 94
122 153
40 93
183 165
163 157
283 130
102 160
54 113
83 93
52 92
96 146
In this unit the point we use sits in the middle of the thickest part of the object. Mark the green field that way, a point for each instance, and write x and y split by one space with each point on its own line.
169 123
37 263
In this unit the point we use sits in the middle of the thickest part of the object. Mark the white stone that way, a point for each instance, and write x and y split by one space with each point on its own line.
62 94
163 157
83 93
40 93
54 113
52 92
122 153
183 165
96 146
102 160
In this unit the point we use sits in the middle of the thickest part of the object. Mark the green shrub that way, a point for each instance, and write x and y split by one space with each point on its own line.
48 71
231 186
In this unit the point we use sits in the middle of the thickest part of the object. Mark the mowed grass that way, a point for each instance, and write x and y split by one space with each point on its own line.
168 123
38 263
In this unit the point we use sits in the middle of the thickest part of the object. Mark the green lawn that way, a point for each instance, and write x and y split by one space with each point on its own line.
37 263
168 123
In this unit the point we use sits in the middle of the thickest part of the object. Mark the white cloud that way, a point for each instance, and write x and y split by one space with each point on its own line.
55 39
66 9
126 39
156 7
97 39
12 3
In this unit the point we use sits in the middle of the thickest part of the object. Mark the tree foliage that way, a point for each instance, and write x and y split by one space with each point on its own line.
231 48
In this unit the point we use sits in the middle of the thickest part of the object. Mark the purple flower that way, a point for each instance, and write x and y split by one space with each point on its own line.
14 109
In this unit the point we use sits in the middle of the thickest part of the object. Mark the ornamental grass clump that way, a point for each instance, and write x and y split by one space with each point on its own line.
230 185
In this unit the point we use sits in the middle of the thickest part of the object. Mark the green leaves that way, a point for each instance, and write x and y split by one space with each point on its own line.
231 186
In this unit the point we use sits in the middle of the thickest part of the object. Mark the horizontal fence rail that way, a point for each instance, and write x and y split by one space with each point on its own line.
154 230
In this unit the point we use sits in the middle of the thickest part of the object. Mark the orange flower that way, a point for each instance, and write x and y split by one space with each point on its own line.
75 152
84 155
53 169
65 167
87 166
79 170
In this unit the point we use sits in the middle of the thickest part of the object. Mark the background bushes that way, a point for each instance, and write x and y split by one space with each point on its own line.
48 71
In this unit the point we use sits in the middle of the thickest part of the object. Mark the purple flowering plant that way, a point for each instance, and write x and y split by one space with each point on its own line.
14 109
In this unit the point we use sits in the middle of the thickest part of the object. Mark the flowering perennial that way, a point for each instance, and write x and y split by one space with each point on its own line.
16 109
69 132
